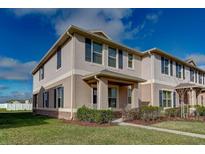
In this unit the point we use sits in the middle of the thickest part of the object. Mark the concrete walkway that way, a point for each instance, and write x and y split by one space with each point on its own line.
163 130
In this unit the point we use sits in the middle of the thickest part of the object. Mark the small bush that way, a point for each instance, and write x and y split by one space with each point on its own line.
150 113
173 112
131 114
93 115
200 110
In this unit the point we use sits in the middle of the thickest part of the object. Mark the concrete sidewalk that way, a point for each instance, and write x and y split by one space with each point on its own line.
163 130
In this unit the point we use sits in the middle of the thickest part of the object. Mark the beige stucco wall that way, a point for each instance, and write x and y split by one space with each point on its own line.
87 67
66 83
51 74
145 93
157 88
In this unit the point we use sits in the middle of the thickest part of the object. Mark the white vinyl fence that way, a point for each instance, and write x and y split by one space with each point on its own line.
3 106
16 106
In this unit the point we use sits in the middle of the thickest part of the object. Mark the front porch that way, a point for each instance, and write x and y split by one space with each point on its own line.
188 96
113 90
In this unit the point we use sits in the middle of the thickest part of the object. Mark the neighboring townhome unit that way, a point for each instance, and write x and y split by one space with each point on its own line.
88 68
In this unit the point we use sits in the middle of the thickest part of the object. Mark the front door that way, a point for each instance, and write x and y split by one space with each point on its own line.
112 97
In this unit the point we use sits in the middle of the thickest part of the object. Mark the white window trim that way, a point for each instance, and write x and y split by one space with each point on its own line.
130 68
116 67
117 101
56 98
129 87
172 93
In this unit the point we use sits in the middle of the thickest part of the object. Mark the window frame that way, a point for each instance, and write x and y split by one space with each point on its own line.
59 57
110 97
132 61
116 51
192 75
45 99
129 95
95 52
41 73
56 97
165 66
92 52
166 99
178 70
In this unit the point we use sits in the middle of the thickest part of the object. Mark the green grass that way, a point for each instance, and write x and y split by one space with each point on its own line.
24 128
187 126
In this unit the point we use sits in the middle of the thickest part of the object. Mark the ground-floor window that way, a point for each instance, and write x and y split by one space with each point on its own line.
35 100
112 97
59 95
45 99
94 95
129 95
165 98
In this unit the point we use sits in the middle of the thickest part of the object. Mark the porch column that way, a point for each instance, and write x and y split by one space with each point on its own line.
102 89
194 99
134 102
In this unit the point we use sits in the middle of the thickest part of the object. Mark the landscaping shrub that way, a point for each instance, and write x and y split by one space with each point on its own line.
131 114
200 110
93 115
149 113
173 112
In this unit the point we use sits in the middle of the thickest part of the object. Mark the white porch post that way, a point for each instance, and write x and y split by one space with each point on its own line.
134 102
194 99
102 89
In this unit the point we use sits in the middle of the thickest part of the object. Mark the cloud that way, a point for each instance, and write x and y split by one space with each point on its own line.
115 22
198 58
154 17
13 69
25 11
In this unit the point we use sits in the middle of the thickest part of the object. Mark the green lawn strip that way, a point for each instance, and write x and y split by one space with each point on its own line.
186 126
24 128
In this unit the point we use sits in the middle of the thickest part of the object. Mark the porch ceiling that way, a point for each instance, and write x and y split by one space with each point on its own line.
113 76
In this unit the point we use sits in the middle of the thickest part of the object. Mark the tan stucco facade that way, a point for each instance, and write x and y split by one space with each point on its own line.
79 92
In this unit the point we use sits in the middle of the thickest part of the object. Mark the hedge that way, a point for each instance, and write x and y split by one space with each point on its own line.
92 115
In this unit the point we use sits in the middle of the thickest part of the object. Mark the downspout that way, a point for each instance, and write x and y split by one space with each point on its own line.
98 91
152 78
72 67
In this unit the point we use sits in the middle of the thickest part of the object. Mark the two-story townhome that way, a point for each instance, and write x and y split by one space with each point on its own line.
88 68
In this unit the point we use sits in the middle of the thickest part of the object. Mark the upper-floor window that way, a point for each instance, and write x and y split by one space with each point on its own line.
120 59
58 97
164 65
171 67
178 70
130 60
93 51
45 99
112 57
191 75
97 53
59 61
200 78
196 76
184 74
41 73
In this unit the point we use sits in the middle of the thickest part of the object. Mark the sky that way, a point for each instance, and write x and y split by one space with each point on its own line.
27 34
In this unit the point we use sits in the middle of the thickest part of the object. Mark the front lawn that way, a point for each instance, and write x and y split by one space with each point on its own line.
24 128
187 126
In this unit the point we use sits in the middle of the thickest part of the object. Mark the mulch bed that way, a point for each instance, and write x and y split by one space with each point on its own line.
89 124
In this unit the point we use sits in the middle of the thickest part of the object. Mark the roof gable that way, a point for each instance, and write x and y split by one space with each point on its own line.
101 33
191 61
